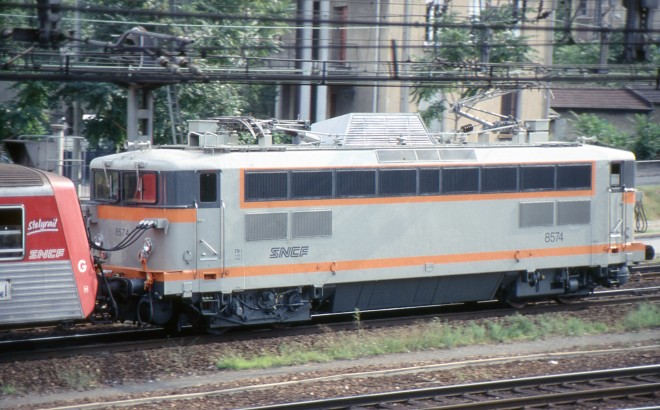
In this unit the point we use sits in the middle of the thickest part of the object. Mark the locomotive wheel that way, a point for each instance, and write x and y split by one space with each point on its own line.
215 331
517 303
568 299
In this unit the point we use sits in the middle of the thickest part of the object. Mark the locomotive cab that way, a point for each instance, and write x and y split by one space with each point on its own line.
161 236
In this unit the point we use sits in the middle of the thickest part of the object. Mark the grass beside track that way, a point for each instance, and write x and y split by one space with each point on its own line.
651 201
437 335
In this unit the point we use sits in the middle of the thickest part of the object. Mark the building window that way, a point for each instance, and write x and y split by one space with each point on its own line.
434 11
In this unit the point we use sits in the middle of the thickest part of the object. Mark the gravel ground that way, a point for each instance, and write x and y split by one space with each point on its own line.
177 369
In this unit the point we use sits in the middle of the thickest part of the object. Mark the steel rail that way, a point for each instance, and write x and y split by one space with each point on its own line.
645 380
33 348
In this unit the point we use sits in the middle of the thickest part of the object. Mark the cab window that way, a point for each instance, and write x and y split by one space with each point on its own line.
139 187
106 186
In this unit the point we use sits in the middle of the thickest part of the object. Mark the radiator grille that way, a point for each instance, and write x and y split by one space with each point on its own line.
573 212
267 226
537 214
311 224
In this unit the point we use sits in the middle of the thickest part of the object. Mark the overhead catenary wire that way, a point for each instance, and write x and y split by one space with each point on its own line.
364 22
44 64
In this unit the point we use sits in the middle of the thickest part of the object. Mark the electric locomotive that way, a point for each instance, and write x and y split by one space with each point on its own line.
369 211
46 269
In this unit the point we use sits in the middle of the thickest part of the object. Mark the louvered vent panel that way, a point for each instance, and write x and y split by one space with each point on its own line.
311 224
260 227
17 176
40 292
365 129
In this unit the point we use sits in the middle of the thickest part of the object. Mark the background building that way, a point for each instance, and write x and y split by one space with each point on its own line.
383 36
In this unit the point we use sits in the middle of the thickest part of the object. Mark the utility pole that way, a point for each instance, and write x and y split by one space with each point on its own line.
306 44
639 17
604 35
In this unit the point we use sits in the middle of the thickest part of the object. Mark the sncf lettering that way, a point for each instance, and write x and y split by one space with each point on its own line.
37 254
289 252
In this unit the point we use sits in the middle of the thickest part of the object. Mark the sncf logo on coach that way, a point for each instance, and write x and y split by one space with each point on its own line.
41 225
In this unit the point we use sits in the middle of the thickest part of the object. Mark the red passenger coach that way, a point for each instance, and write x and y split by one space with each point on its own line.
46 270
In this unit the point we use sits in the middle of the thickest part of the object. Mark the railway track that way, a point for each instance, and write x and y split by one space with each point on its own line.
594 387
44 347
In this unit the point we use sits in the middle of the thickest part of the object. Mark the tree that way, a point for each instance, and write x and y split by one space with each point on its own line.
27 113
457 47
644 142
591 125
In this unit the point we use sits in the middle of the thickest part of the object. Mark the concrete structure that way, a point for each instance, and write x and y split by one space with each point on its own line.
399 34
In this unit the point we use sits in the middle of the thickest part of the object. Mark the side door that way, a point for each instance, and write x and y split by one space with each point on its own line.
622 182
209 255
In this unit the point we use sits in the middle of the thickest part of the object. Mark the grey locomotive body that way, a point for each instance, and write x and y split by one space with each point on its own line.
235 235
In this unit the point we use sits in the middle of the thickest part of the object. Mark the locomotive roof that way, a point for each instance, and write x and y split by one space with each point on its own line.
228 157
12 176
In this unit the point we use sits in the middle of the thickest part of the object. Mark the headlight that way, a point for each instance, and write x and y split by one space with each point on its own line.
145 252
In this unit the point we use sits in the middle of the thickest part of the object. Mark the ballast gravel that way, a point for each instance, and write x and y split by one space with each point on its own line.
176 370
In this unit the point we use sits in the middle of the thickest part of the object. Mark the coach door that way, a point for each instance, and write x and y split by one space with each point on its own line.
617 211
209 224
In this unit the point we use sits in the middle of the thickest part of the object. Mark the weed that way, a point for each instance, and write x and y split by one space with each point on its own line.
435 335
357 318
7 389
79 379
645 316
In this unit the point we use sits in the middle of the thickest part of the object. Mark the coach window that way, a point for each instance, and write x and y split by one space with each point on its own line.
106 185
208 187
11 232
429 181
262 186
500 179
538 178
576 176
356 183
139 187
397 182
460 180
